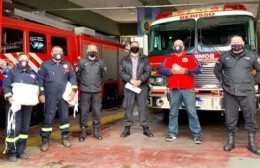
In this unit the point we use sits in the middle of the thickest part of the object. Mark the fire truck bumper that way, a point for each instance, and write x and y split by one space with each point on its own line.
209 103
158 99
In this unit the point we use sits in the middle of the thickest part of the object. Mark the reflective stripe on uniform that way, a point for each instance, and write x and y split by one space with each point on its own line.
11 139
8 94
64 126
74 87
41 88
23 136
47 129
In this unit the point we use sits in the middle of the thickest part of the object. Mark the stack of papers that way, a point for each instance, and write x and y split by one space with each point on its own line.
132 88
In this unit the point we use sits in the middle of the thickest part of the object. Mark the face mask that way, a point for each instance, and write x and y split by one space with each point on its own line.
22 64
134 49
92 54
237 47
177 49
57 57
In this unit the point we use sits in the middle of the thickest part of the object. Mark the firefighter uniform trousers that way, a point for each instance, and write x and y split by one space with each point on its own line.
248 107
128 105
52 102
17 138
87 100
52 79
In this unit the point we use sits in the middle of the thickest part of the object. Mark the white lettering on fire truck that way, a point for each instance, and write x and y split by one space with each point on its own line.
197 15
205 56
35 38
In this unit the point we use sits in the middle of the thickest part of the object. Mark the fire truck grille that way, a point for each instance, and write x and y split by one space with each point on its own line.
206 80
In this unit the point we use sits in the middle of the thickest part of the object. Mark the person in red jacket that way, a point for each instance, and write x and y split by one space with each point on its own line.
180 69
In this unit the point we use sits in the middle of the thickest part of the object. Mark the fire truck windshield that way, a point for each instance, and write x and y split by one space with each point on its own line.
163 35
214 33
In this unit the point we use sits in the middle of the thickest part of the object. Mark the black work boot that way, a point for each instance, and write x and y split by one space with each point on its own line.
23 156
45 145
147 132
251 144
21 150
126 132
230 143
12 158
83 134
96 134
65 141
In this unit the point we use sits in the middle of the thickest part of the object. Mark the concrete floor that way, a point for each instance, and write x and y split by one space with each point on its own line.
138 151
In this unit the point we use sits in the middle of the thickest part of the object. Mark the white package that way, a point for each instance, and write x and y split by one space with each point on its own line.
25 94
132 88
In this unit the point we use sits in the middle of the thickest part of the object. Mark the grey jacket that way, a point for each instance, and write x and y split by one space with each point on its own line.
143 69
91 75
235 72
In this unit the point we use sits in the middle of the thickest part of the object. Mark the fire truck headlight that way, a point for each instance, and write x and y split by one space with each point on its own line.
151 80
159 80
159 102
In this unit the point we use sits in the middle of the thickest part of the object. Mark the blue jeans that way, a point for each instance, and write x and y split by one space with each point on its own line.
189 100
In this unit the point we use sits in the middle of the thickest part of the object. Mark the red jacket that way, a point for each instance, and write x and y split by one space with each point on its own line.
180 81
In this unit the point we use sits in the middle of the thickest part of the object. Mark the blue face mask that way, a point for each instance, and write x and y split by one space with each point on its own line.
177 49
22 64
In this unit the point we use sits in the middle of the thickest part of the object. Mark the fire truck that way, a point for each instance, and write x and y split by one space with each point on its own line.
206 33
37 40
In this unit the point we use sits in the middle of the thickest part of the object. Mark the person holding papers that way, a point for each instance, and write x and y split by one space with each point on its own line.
180 68
135 71
17 130
53 77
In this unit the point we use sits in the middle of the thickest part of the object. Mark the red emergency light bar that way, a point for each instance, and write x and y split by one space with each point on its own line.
226 7
234 7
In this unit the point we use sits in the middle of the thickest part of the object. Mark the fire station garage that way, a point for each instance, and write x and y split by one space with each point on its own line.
129 83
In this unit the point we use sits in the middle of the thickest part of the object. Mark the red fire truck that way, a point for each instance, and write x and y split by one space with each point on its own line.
37 40
206 33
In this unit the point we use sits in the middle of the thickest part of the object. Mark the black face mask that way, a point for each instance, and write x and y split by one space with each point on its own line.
92 54
237 47
134 49
22 64
57 57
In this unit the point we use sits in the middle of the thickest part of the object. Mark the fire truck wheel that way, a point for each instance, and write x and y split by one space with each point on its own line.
166 113
37 114
110 98
2 112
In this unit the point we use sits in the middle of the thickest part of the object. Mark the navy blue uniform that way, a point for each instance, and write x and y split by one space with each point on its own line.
18 136
52 79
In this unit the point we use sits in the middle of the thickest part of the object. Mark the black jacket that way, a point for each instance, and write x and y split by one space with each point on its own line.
143 69
91 74
235 72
